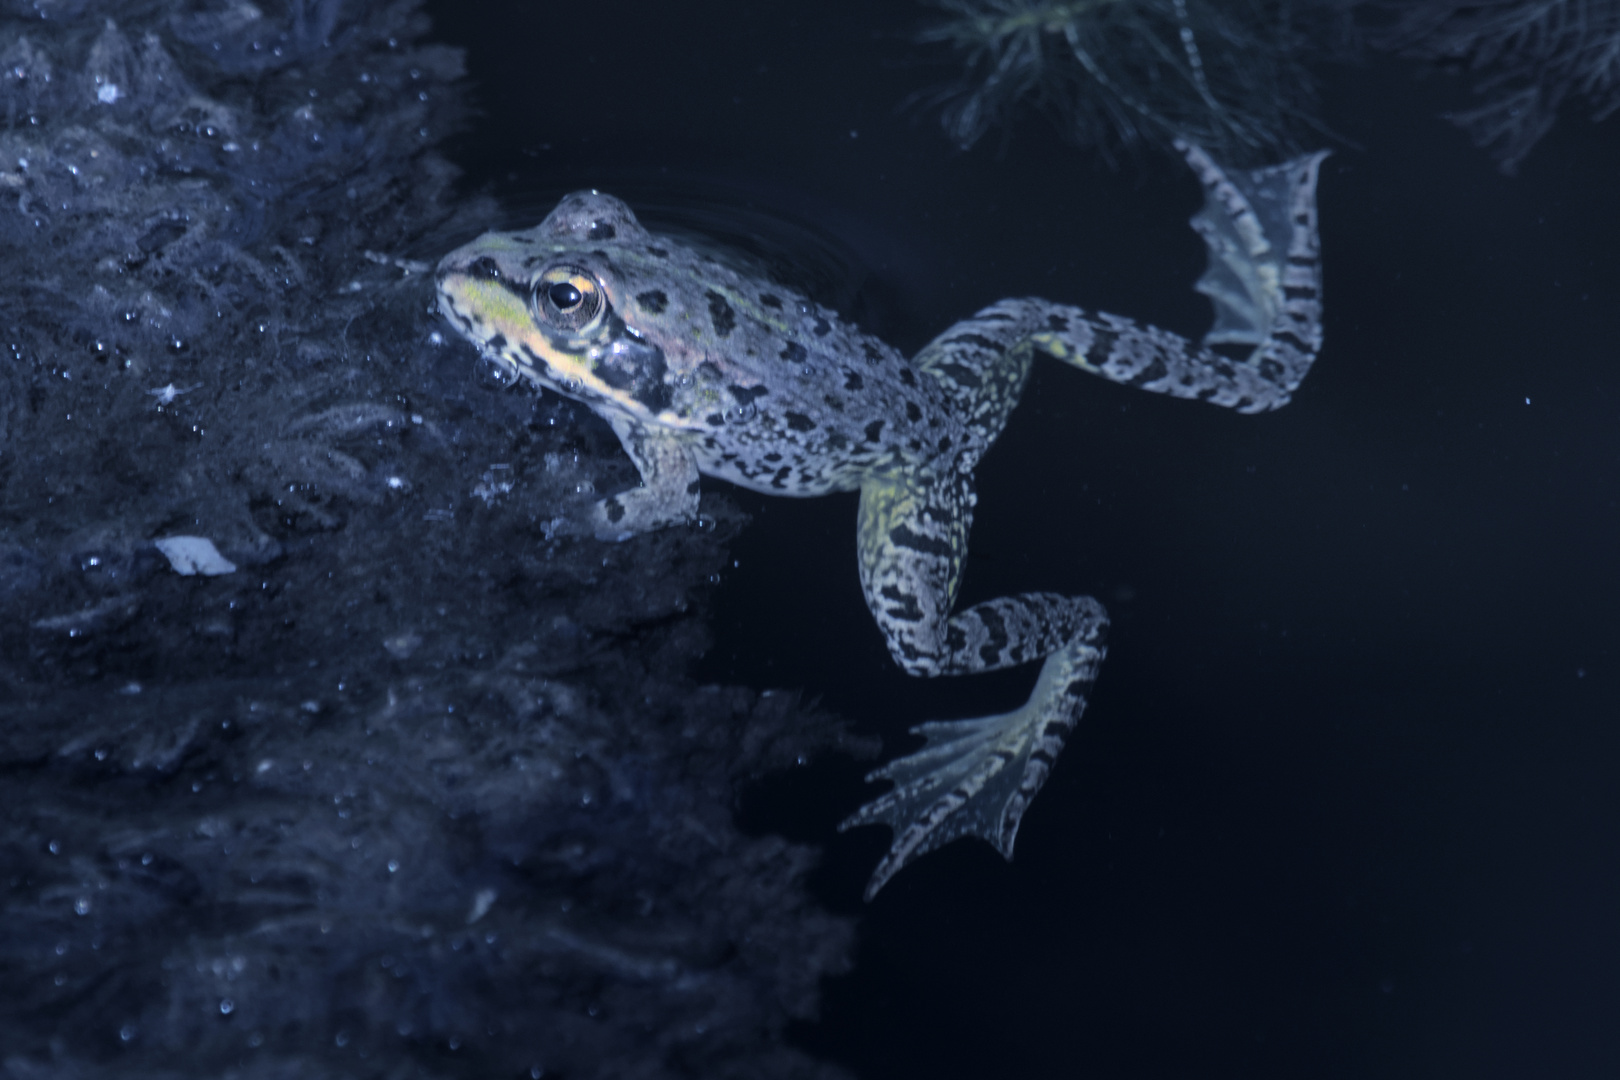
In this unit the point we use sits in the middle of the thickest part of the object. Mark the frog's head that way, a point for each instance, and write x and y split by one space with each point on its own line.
545 303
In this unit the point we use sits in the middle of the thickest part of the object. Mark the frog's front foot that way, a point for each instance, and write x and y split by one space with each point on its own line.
667 494
639 510
977 777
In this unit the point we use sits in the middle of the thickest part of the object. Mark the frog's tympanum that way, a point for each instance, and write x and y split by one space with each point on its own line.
701 369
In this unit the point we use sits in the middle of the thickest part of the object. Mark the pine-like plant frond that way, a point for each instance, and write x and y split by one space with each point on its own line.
1119 74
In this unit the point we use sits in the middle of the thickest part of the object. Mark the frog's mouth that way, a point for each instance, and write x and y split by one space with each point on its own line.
611 364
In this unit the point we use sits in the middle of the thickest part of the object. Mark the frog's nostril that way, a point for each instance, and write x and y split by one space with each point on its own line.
484 267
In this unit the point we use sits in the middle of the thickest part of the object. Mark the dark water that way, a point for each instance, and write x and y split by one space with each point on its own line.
1344 803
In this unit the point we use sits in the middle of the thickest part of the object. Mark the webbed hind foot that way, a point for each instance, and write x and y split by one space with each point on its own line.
977 777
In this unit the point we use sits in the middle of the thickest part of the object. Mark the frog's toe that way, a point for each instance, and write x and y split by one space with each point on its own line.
974 777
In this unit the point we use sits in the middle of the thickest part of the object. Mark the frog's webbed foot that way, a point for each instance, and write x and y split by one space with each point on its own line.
1264 275
668 493
977 777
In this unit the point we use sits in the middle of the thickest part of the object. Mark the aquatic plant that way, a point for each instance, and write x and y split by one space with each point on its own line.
1122 74
1531 55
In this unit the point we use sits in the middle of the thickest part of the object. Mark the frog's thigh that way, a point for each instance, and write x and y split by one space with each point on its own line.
668 494
982 364
911 540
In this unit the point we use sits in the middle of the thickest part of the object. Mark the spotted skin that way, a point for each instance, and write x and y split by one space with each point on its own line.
701 369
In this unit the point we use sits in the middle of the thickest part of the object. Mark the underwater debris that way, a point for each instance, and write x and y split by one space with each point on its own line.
189 555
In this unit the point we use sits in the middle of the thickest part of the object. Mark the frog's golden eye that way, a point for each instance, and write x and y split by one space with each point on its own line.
568 299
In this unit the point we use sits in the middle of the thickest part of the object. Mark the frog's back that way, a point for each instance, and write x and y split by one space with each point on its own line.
778 393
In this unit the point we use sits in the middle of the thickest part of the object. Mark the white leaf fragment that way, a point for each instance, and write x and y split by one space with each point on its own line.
190 555
483 900
166 394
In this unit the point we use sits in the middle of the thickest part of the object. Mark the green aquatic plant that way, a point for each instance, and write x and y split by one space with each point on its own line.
1531 57
1228 75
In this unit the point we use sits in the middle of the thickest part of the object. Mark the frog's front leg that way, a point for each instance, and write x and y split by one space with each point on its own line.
668 494
974 776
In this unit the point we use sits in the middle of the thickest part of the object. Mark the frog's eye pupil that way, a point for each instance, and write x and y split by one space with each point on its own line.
565 296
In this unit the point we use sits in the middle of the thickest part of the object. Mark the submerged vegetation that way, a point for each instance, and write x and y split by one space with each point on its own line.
1229 75
1235 77
1531 56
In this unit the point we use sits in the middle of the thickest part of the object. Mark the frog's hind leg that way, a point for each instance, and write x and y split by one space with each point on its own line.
1264 276
974 777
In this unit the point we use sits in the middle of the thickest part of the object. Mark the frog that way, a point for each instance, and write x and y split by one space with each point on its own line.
703 368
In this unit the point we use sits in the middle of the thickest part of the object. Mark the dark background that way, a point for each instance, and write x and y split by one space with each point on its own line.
1343 804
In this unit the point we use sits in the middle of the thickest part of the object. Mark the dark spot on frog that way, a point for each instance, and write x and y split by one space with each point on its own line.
714 419
907 377
638 371
794 353
945 443
836 404
658 251
1057 322
978 341
852 381
1102 346
709 371
745 395
601 230
960 374
496 343
800 422
770 301
874 431
653 300
913 413
485 268
822 327
614 509
905 607
773 457
837 441
720 313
